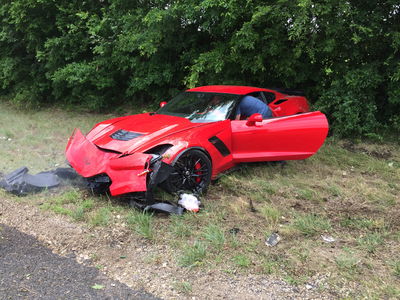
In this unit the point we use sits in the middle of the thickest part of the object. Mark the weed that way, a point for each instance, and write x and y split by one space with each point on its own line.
179 227
141 223
87 204
242 261
363 223
215 236
396 268
293 280
101 217
61 210
311 224
269 267
306 194
302 253
392 292
334 190
78 214
348 263
193 255
271 214
153 258
233 241
183 287
371 241
71 196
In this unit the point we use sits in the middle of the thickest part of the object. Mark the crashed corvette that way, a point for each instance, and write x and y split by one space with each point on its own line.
193 138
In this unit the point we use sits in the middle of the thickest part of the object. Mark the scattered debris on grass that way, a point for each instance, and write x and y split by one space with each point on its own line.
273 240
189 201
327 238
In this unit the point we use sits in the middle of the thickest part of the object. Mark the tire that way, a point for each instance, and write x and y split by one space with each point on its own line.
192 173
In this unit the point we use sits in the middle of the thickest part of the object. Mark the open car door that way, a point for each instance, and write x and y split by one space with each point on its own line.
284 138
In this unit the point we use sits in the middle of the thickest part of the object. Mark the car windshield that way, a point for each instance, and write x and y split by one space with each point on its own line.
200 107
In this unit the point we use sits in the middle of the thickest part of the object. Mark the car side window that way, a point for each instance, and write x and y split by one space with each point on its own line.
258 95
269 96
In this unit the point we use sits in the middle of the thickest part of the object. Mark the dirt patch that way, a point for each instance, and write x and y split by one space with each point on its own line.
381 153
140 264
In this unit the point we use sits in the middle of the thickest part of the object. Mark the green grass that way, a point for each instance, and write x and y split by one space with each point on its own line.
179 227
242 261
193 254
271 214
183 287
371 241
215 236
346 192
141 223
396 268
348 264
101 217
311 224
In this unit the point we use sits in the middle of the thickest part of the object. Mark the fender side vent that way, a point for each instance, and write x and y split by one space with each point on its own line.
124 135
221 147
279 101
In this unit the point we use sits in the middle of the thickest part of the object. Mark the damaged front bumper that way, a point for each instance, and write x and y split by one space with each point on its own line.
137 172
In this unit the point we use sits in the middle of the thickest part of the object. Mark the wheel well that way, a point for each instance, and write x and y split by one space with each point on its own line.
159 149
194 148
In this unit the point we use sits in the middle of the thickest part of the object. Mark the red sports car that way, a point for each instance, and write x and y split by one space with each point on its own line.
193 138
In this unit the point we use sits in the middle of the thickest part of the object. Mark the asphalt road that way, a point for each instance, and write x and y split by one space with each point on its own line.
29 270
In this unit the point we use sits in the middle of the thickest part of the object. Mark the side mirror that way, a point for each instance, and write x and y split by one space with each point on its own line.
163 103
251 121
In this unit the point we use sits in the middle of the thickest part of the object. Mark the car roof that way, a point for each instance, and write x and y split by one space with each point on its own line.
227 89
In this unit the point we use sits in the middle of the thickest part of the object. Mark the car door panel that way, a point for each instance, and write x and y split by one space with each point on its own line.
285 138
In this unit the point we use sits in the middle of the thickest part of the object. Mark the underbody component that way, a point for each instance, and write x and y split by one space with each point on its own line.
19 182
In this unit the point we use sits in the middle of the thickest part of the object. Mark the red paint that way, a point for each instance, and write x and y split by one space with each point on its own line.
294 136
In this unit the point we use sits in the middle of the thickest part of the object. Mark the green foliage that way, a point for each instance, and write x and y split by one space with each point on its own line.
215 236
344 54
141 223
242 261
193 255
310 224
102 217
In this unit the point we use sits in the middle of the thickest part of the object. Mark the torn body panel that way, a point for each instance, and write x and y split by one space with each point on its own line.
127 173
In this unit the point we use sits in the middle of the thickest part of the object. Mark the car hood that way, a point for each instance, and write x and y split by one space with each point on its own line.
126 134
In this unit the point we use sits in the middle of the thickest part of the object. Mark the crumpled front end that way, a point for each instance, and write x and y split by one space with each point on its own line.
128 173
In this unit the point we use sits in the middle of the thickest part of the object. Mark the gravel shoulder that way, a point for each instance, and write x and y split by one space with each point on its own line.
134 262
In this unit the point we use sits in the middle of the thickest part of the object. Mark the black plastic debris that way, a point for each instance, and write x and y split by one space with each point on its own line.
158 207
165 208
65 173
19 182
234 230
161 172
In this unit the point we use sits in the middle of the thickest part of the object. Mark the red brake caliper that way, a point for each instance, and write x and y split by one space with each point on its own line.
197 166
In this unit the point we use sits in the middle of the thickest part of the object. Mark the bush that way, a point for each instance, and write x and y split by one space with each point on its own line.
99 55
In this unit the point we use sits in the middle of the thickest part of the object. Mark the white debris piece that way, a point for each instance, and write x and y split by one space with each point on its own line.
189 202
327 238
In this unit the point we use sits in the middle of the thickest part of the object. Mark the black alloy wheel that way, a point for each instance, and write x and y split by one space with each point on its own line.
192 173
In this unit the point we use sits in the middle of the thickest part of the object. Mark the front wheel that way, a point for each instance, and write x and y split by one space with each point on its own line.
192 172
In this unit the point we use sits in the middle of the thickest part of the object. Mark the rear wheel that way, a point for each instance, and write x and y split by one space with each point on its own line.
192 173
